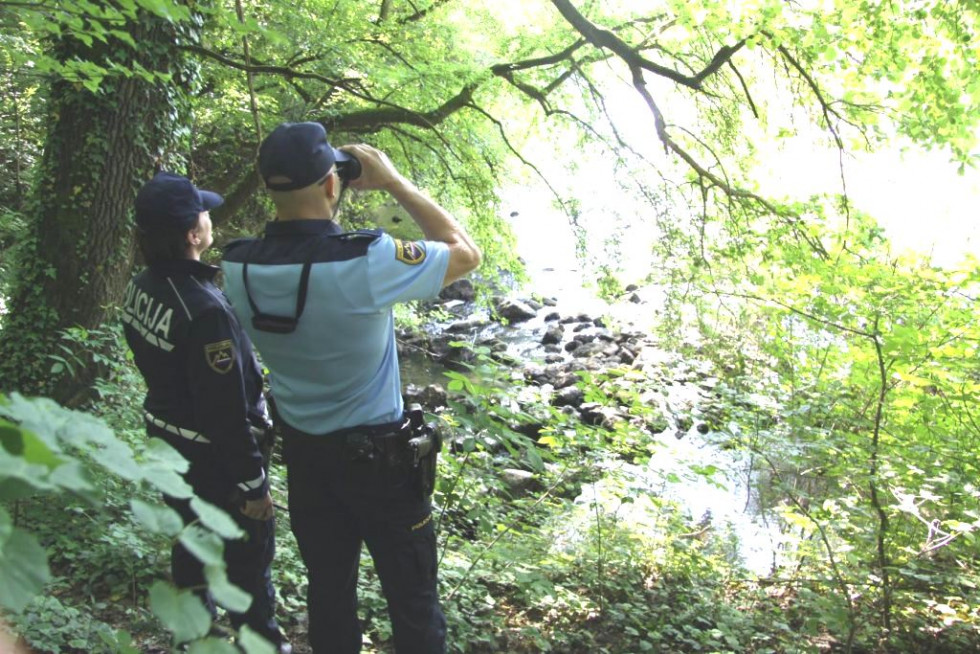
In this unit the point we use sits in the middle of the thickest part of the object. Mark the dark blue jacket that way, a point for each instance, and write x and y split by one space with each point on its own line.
204 385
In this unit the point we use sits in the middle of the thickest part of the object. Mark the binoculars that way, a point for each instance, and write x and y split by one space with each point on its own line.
349 169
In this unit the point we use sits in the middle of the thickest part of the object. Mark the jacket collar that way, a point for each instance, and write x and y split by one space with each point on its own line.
186 267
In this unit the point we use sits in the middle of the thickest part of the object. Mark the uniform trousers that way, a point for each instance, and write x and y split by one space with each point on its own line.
248 559
340 497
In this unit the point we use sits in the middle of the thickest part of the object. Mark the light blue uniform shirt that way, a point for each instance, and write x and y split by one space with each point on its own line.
339 368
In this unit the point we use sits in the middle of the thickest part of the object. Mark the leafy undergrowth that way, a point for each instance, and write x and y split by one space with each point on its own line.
586 557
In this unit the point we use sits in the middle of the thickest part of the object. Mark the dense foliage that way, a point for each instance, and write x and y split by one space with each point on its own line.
845 373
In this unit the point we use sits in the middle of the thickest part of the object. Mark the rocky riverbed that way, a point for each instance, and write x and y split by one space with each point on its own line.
666 404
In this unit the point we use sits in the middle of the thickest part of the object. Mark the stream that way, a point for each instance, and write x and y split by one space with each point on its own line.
725 499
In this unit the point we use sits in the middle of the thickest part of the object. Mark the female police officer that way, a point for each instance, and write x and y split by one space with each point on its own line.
204 388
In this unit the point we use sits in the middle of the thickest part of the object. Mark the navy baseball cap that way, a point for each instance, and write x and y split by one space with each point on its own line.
295 155
172 202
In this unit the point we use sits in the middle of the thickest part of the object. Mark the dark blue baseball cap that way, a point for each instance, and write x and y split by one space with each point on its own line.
171 202
295 155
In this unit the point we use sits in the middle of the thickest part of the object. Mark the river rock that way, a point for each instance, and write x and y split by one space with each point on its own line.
515 311
461 289
519 482
530 429
553 316
553 335
591 349
597 415
569 396
470 324
581 327
572 345
431 397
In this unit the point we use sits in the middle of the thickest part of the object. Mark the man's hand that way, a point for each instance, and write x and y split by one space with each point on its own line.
260 509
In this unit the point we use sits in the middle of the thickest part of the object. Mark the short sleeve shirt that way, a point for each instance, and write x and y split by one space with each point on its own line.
339 367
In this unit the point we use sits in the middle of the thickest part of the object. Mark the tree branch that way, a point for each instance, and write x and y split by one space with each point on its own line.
605 39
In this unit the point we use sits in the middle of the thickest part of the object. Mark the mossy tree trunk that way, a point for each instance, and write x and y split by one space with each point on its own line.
102 142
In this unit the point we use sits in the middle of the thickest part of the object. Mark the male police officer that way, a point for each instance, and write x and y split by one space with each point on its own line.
317 302
204 388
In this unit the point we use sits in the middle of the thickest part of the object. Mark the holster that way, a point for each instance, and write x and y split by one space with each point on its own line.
424 445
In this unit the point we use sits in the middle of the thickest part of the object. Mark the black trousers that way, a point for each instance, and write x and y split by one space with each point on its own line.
341 497
248 559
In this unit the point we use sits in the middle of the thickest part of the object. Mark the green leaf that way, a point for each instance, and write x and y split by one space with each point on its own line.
226 593
19 479
216 519
163 467
23 566
40 416
162 452
72 476
180 611
253 643
117 458
26 444
212 646
203 544
168 481
6 526
158 519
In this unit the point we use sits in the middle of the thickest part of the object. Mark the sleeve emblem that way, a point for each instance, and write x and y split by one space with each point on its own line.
409 252
220 356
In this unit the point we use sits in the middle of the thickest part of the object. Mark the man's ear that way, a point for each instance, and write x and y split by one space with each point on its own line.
332 184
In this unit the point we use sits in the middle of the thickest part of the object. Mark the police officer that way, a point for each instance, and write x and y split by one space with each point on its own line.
204 389
317 301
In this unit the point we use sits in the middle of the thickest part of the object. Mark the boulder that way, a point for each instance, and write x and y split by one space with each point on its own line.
519 482
568 396
470 324
597 415
461 289
515 311
553 335
431 397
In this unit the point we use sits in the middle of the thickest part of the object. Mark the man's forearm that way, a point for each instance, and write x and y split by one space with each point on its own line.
436 223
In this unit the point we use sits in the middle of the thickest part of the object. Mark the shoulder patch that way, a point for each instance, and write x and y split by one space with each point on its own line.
409 252
220 356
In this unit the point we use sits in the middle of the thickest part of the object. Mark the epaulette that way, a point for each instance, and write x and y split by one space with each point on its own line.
362 233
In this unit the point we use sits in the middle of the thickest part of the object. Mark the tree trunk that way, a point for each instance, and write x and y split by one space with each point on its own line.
74 264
